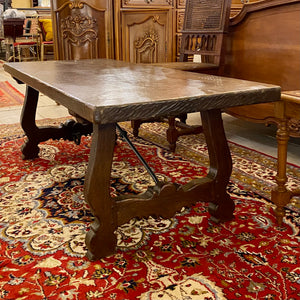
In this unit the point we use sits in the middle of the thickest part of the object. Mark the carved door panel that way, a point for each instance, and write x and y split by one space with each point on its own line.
143 3
147 36
82 29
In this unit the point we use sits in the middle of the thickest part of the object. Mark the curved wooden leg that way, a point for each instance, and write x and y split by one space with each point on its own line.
280 196
70 130
164 199
30 148
101 240
221 206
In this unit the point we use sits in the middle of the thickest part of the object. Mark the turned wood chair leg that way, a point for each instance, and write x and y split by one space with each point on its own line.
280 196
42 52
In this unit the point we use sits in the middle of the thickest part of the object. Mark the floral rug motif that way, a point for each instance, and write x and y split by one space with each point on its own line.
44 219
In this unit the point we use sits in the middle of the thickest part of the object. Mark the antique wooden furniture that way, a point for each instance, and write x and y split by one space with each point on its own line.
22 39
132 30
144 30
202 35
83 29
105 92
271 55
287 115
12 28
268 55
46 43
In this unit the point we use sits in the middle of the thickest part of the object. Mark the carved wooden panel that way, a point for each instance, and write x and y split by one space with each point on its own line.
179 20
143 3
180 3
79 32
121 29
178 45
81 29
146 48
146 36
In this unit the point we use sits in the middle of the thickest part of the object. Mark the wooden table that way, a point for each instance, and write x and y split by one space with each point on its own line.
104 92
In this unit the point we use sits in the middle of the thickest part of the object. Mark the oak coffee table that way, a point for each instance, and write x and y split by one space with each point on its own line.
103 92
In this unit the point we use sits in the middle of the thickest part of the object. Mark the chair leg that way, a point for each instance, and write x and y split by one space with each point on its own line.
19 52
42 52
172 133
37 51
13 53
183 118
280 196
135 125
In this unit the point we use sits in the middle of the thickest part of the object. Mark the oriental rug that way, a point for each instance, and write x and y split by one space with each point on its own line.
43 221
9 96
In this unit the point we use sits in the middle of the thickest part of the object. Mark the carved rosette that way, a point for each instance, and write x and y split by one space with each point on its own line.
294 127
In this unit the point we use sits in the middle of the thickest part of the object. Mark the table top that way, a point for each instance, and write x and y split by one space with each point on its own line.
108 91
291 96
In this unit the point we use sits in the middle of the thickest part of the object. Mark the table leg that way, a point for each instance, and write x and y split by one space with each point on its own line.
30 148
70 130
164 199
221 206
100 239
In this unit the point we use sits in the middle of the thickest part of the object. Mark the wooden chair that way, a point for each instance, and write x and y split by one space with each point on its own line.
23 39
27 47
205 24
46 37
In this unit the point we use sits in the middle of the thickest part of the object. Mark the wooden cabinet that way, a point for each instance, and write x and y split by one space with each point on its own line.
83 29
145 31
140 31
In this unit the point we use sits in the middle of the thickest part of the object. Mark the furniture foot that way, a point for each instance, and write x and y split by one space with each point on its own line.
172 134
280 199
221 207
100 240
223 211
70 130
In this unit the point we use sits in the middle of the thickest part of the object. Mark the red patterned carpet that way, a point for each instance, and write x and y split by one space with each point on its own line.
9 96
43 221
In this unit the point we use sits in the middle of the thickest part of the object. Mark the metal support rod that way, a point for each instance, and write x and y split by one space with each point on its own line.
123 134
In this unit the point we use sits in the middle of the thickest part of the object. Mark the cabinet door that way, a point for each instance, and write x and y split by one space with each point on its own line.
147 35
82 29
